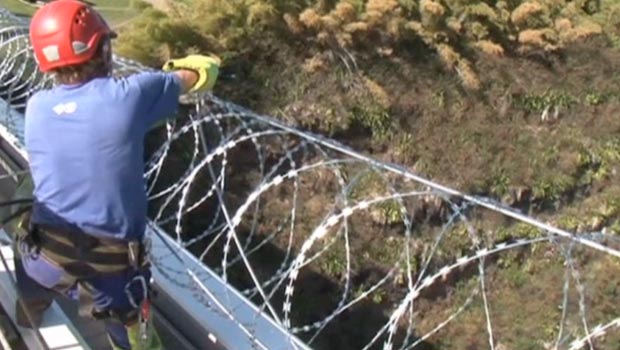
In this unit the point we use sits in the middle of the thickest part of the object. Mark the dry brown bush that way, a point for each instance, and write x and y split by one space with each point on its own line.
330 22
293 24
581 32
314 64
468 75
563 24
381 7
432 7
378 93
356 27
490 48
311 19
524 11
536 37
345 12
445 25
447 55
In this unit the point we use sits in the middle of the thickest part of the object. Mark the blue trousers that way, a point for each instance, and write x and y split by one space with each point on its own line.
39 279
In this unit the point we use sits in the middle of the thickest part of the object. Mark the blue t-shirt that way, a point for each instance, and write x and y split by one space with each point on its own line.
85 145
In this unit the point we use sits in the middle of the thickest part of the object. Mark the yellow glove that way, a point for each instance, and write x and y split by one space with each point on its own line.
207 67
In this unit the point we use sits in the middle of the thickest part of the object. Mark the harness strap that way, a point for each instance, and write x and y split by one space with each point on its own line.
83 256
59 243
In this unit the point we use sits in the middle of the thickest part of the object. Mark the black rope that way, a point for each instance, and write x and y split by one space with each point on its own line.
16 201
16 214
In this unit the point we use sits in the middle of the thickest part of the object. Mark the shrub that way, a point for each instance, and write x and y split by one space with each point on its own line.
454 29
449 27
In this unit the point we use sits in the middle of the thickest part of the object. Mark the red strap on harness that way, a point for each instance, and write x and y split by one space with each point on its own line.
145 313
145 309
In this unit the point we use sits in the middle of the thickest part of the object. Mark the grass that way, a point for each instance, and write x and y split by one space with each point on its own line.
114 11
112 3
17 7
117 17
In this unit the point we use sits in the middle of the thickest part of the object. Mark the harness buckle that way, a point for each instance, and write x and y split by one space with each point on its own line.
134 248
138 252
26 237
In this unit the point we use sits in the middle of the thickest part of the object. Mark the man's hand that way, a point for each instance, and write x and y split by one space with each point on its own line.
206 67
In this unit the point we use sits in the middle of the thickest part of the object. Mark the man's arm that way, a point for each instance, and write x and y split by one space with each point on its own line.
160 91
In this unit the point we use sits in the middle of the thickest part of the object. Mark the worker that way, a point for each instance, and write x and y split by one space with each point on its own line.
84 236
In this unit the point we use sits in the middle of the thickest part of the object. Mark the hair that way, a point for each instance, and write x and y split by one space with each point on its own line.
98 66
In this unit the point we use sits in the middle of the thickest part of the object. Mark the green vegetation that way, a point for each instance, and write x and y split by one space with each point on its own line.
116 4
18 7
117 12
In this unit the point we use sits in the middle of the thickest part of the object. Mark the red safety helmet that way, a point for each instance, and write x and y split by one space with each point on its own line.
66 32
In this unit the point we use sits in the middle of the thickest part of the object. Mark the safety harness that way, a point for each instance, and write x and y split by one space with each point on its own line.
83 256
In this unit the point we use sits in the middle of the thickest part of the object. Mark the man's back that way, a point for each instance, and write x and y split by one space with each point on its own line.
85 147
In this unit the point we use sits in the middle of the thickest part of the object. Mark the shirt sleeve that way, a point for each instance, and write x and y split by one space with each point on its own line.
159 95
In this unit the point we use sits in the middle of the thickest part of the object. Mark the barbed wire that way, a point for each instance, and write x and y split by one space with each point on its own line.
328 241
